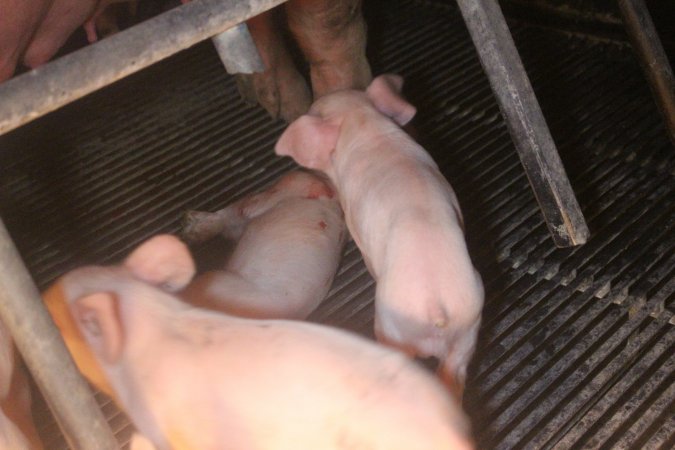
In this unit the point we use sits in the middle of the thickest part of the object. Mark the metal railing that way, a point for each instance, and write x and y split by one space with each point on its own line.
47 88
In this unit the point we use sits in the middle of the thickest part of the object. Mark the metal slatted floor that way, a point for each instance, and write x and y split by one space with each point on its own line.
576 350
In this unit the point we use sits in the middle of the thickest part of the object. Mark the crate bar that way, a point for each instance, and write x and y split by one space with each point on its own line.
536 149
647 45
237 51
35 93
40 344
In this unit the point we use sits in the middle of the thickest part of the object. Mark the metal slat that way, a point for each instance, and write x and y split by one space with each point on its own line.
643 356
42 90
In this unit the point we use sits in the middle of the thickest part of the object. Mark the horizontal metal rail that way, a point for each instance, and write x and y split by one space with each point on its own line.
45 89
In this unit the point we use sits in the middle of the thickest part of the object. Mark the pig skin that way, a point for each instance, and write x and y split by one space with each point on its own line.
140 442
230 222
18 22
280 89
290 239
104 20
293 207
404 217
33 31
331 35
54 300
63 17
17 430
150 262
196 379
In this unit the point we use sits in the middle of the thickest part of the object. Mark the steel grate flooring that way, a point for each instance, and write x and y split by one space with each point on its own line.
576 349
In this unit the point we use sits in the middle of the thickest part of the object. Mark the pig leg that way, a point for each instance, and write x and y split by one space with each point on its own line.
18 21
105 20
64 17
332 36
280 89
289 241
231 221
200 361
163 261
17 430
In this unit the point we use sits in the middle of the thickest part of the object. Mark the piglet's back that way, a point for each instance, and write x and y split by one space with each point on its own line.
206 380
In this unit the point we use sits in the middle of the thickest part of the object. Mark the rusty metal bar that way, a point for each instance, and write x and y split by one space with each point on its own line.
40 344
237 50
35 93
536 149
647 45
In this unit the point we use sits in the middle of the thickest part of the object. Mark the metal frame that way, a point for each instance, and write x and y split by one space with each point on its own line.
41 345
47 88
538 154
40 91
653 59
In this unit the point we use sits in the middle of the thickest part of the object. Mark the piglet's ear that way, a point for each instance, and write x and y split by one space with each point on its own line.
163 261
55 301
98 318
309 140
384 92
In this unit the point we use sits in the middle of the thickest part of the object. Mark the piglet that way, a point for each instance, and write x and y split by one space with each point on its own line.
17 430
289 242
404 217
149 263
191 378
